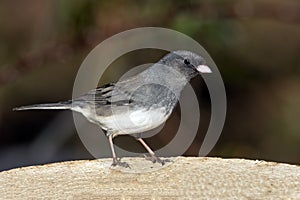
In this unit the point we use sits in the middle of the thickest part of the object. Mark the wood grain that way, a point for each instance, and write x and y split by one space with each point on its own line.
184 178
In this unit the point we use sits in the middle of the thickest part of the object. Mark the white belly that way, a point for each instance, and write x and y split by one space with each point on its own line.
136 121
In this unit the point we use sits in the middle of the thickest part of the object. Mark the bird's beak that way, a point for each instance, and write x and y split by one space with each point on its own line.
203 69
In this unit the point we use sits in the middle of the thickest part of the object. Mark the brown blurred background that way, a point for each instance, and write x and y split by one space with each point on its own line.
255 44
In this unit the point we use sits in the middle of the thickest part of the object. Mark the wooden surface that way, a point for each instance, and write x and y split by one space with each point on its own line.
184 178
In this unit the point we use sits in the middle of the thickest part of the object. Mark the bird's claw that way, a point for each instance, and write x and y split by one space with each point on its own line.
155 159
117 162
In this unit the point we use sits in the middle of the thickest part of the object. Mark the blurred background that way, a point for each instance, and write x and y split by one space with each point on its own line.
255 44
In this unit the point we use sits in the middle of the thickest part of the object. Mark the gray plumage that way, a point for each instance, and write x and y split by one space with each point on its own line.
139 103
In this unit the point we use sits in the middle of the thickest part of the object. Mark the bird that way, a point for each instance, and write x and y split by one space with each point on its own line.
136 104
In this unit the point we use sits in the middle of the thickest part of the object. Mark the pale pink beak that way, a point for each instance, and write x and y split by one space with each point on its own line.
203 69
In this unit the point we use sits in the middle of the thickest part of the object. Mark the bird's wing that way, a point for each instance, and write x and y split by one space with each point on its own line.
109 94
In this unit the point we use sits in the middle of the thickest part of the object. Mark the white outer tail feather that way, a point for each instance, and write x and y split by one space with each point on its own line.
57 106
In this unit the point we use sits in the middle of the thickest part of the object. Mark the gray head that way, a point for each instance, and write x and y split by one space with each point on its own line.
186 62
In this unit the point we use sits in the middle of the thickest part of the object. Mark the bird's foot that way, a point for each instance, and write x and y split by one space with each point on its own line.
154 159
117 162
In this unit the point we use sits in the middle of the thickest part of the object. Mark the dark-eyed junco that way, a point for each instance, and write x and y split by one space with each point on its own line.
139 103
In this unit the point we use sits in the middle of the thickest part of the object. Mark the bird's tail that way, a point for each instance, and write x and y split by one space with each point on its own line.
59 106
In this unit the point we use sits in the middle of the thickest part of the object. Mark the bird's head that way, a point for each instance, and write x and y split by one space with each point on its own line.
188 63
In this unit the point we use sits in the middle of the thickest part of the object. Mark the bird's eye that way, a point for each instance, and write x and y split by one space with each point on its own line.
186 61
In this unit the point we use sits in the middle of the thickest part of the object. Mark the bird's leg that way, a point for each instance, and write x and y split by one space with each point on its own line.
116 161
152 157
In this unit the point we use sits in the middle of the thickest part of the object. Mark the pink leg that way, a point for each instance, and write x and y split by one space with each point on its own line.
153 157
116 161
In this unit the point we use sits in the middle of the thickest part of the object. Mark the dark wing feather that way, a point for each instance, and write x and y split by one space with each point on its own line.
105 95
